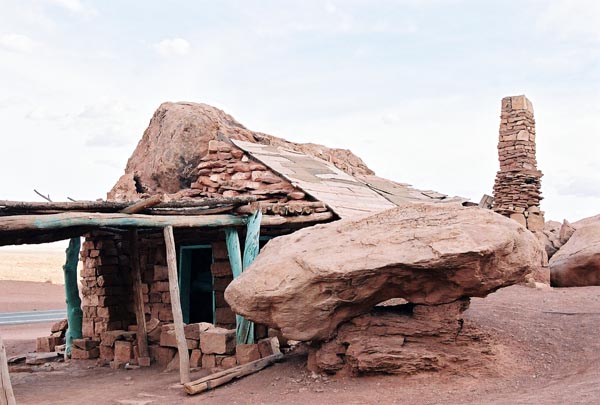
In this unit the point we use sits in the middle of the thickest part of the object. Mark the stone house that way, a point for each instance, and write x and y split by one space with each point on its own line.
237 185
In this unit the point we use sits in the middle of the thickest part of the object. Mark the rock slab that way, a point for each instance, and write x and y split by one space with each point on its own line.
308 283
577 262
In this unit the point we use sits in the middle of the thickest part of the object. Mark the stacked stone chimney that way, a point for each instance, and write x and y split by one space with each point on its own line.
517 190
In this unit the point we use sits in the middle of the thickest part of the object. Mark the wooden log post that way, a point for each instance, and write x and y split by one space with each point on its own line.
138 300
74 313
182 348
235 261
245 328
7 397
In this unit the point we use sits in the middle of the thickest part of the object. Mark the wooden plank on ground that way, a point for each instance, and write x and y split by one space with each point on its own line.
182 348
223 377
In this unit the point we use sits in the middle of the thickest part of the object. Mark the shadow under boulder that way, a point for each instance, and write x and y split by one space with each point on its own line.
402 340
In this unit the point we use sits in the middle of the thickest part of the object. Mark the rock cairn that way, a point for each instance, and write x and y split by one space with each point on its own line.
517 191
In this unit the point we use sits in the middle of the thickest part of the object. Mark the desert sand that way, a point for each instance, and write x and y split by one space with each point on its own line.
31 264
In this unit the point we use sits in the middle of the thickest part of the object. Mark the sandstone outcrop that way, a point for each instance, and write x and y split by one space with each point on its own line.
577 262
167 157
308 283
549 237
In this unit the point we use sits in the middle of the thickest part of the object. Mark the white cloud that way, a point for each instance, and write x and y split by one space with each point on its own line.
17 43
580 187
172 47
75 7
571 18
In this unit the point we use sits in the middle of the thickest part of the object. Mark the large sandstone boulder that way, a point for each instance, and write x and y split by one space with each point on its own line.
549 237
177 138
577 262
309 282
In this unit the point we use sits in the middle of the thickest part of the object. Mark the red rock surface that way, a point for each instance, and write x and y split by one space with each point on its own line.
177 138
310 282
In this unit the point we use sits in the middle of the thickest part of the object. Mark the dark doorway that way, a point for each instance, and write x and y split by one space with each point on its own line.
196 284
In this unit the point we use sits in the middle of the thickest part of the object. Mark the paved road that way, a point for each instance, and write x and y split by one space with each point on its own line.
15 318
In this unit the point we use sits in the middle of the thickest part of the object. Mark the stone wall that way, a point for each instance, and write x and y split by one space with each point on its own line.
517 190
106 284
108 309
227 171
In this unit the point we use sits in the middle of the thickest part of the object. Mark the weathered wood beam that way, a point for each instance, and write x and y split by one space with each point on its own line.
74 313
182 348
223 377
296 207
143 204
274 220
7 397
36 237
138 300
191 210
73 219
114 206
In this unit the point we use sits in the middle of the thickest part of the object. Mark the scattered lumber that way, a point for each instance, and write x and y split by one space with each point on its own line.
223 377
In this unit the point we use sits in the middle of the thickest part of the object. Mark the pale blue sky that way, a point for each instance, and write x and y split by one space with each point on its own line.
411 86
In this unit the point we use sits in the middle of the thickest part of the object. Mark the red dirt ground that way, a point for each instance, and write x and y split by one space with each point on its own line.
547 351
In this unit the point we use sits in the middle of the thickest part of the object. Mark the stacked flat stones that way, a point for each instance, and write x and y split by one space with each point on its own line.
517 190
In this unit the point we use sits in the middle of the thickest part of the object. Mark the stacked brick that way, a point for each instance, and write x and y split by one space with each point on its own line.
222 276
517 190
210 347
108 317
106 280
227 171
56 340
155 277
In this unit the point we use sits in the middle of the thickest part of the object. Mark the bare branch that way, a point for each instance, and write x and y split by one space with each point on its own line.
47 198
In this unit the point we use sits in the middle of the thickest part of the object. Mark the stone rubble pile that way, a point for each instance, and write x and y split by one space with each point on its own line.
56 340
208 346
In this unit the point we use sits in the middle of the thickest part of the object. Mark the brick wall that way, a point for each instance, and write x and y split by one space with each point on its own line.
106 284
